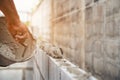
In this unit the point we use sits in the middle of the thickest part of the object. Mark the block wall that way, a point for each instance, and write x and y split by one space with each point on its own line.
48 68
68 29
88 31
102 38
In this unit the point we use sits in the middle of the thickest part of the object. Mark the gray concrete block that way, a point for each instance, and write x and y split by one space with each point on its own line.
37 74
37 66
112 7
65 70
89 14
111 72
72 72
111 50
98 65
58 69
42 62
88 2
54 71
29 75
11 74
111 28
26 64
45 65
74 5
89 61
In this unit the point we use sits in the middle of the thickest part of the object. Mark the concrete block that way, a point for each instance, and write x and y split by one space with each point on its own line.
99 19
26 64
59 10
89 30
76 4
59 69
111 30
68 71
66 9
99 11
98 65
112 7
89 44
72 72
11 74
63 64
111 72
37 74
45 65
89 61
89 14
65 76
54 71
28 75
88 2
42 62
111 50
97 48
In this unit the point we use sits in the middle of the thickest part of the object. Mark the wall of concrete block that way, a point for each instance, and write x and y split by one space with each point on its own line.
102 38
48 68
88 31
68 29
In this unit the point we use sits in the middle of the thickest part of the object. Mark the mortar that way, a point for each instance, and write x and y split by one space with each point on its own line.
11 51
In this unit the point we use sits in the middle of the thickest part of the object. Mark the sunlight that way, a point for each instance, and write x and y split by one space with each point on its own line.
25 5
24 8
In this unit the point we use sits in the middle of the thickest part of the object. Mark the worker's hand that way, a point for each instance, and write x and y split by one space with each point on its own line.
18 31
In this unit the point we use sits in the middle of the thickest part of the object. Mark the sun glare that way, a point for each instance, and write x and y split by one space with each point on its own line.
25 7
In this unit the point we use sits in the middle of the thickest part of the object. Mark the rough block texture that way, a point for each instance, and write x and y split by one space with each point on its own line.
57 69
102 39
68 29
88 31
12 74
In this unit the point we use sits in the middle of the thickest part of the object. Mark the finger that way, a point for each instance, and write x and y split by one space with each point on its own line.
21 38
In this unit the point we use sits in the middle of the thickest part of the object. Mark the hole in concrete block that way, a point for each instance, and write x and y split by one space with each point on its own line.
60 60
96 0
64 64
74 70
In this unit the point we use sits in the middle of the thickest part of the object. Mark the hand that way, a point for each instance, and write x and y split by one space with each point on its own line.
19 32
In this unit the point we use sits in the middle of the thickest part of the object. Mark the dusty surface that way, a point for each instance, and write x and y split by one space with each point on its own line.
51 50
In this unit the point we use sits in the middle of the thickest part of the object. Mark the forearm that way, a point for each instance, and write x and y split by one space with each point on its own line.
9 10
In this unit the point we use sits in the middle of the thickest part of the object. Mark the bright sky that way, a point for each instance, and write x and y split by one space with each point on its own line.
25 5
